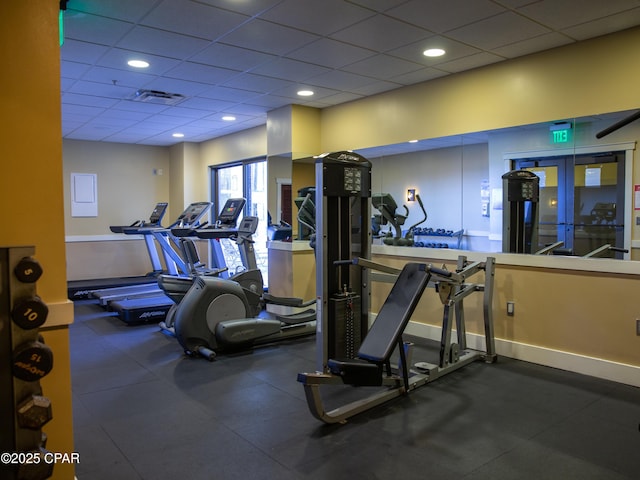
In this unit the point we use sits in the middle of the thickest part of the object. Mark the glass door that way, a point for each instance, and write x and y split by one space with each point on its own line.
598 203
581 201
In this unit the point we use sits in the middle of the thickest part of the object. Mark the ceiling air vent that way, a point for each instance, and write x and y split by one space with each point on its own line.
157 97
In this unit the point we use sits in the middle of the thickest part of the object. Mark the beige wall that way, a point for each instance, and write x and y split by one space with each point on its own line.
129 183
581 313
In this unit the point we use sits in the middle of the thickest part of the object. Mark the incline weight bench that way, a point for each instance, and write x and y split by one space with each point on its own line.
386 332
372 365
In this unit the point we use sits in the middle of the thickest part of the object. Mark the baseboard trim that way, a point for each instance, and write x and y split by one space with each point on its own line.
595 367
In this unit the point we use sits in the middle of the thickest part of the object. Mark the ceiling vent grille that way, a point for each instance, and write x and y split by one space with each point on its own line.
157 97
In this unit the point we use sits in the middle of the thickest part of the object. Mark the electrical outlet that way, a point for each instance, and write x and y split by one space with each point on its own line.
511 307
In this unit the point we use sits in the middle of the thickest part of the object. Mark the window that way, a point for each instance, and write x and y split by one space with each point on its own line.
247 179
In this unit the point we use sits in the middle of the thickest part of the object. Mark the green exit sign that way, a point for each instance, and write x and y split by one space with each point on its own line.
560 133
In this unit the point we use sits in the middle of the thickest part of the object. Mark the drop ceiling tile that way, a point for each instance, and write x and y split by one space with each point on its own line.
472 61
207 105
323 17
229 94
234 58
81 52
88 100
149 108
531 45
422 75
175 85
118 58
73 70
99 89
201 73
268 37
95 29
377 5
560 14
604 26
381 33
252 8
382 67
119 9
81 112
375 88
292 70
442 15
340 80
414 51
193 19
330 53
120 78
498 31
160 42
256 83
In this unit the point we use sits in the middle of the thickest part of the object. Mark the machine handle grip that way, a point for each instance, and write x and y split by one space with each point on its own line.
338 263
439 271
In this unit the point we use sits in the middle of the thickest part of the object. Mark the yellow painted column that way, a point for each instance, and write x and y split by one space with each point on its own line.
31 186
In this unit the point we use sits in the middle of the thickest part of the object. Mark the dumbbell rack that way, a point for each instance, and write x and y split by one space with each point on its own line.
24 360
441 233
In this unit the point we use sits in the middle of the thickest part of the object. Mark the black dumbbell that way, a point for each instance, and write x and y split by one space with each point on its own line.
32 361
28 270
30 313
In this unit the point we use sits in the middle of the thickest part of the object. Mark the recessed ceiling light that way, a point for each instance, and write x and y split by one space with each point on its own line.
433 52
138 63
413 141
228 118
305 93
178 135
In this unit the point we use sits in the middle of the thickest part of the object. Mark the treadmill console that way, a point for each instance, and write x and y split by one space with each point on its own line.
230 213
248 226
158 212
193 213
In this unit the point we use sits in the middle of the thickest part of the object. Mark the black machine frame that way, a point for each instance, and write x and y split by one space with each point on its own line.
348 352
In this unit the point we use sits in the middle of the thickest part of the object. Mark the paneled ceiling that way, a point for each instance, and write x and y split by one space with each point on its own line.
243 58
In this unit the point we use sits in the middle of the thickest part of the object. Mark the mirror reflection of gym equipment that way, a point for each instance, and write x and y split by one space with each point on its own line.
349 352
581 202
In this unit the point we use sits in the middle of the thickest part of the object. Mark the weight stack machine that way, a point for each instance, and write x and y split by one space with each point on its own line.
343 212
521 193
24 360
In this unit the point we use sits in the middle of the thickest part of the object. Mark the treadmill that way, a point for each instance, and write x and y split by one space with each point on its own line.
135 309
83 289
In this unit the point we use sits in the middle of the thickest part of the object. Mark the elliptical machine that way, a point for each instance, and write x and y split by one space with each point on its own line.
227 314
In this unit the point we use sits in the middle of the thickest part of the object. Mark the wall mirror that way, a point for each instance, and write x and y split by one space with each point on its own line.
586 180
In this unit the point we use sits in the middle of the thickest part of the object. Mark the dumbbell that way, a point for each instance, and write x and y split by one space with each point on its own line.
28 270
34 411
32 361
30 313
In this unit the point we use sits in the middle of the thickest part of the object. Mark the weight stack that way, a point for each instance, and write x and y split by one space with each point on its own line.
24 360
344 334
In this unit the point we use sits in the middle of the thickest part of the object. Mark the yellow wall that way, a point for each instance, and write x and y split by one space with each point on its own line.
585 78
31 188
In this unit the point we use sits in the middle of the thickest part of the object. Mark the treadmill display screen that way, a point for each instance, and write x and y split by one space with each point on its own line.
231 210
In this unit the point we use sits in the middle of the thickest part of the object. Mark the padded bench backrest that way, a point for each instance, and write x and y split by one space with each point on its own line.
395 313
